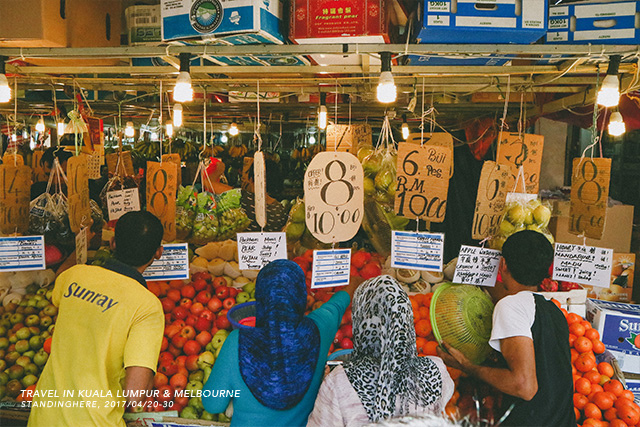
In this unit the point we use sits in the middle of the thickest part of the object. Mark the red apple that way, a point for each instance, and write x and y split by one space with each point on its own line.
208 314
169 369
199 284
168 317
181 360
165 344
196 309
179 323
192 347
222 292
204 338
228 303
202 275
191 320
339 336
180 312
165 393
172 330
188 291
174 295
167 304
192 362
346 343
347 330
160 379
222 322
214 304
182 371
175 351
233 292
219 281
202 324
178 341
165 357
188 332
214 328
203 297
182 401
186 303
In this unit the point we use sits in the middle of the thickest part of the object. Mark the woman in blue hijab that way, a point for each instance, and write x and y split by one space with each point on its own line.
273 371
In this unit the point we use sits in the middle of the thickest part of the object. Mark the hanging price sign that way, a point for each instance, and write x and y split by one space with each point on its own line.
79 209
331 268
587 265
81 246
124 166
175 159
260 188
38 171
14 159
422 176
492 193
525 151
161 195
334 196
15 194
589 195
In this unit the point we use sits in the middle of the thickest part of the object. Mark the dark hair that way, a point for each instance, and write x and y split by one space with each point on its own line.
53 152
528 255
138 237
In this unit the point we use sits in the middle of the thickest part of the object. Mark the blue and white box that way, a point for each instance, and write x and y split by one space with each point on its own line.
597 23
483 21
183 19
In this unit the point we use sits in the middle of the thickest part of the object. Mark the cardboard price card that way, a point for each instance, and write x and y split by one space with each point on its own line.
124 166
175 159
22 253
417 250
255 250
422 177
334 196
589 194
161 195
172 265
587 265
260 188
348 137
81 246
246 178
119 202
331 267
15 195
79 208
490 202
477 266
526 151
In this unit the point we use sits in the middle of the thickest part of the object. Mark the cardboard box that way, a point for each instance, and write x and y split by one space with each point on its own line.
617 228
483 21
446 60
595 22
620 289
349 138
633 384
143 25
33 23
183 19
618 324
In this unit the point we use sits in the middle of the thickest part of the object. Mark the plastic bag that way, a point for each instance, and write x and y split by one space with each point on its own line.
232 218
116 183
185 212
48 216
205 222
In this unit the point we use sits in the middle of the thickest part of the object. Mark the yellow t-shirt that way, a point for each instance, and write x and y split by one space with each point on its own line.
106 322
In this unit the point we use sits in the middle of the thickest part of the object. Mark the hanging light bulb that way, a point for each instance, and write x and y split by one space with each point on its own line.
154 136
312 140
609 93
129 131
616 124
386 91
224 138
169 130
405 127
183 92
40 125
61 127
322 112
177 115
233 129
5 90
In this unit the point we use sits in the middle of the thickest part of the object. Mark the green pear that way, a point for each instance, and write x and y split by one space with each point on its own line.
542 215
506 228
189 412
516 214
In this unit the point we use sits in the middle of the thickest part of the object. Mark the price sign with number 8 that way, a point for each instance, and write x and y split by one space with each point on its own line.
334 196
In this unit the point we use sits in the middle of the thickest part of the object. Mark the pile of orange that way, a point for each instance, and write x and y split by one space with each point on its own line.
599 400
425 341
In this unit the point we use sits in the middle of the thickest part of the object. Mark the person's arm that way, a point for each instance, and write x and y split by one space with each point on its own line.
354 282
327 409
519 379
216 402
136 379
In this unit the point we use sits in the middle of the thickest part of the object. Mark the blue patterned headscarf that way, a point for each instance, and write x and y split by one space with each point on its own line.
279 356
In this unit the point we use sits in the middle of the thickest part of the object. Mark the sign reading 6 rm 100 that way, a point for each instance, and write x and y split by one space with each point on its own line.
334 196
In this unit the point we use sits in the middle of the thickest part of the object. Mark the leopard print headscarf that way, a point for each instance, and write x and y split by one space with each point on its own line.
384 364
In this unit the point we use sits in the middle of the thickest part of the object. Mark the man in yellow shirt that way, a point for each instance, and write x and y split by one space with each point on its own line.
109 329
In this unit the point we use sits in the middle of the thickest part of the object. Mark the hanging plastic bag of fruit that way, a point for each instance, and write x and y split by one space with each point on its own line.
523 211
205 219
117 181
185 211
232 218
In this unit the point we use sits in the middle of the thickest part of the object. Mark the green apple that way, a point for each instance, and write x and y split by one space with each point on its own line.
13 339
22 346
4 343
5 323
29 354
222 418
50 310
11 358
46 321
249 287
42 304
196 402
3 391
4 378
23 333
528 219
189 412
205 359
40 358
23 361
30 310
36 342
243 297
29 380
196 375
207 372
49 294
16 372
16 318
3 331
31 369
193 386
369 186
208 416
219 338
41 291
13 388
3 365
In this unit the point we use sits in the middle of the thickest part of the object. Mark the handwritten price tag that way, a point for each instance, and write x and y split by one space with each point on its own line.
331 267
79 209
172 265
417 251
587 265
119 202
492 193
255 250
526 151
81 246
15 184
22 253
477 266
589 195
334 196
161 195
124 165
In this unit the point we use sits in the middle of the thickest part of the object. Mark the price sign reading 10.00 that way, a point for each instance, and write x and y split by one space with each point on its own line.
334 196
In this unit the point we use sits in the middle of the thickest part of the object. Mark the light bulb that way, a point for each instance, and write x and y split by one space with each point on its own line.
224 138
61 127
14 137
609 93
322 117
177 115
183 92
233 129
169 130
386 91
405 127
312 140
5 90
154 136
129 131
616 124
40 125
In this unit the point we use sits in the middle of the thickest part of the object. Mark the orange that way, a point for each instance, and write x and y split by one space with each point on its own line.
617 423
593 376
573 318
627 394
451 411
603 400
580 400
584 363
416 316
419 299
572 339
565 312
576 411
577 329
556 302
591 410
424 312
586 325
423 328
598 346
414 304
583 386
430 348
420 344
427 299
574 355
636 342
582 344
611 414
592 334
605 369
629 414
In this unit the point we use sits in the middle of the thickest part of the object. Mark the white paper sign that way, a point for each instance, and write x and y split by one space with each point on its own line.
81 246
477 266
120 202
587 265
22 253
417 251
331 267
255 250
172 265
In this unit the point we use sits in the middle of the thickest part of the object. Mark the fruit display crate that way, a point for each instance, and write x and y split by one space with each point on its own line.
13 414
574 300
